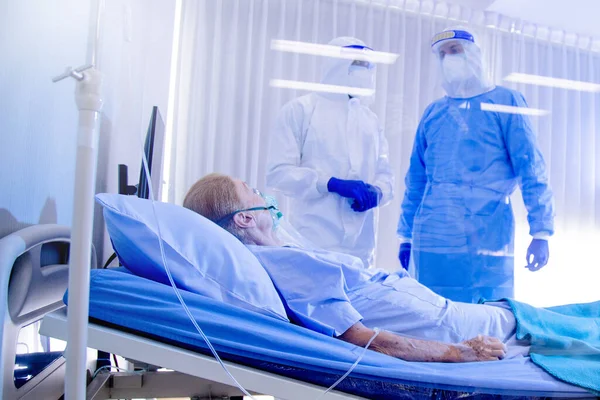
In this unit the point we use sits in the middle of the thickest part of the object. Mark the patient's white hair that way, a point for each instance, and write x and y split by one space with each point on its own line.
215 196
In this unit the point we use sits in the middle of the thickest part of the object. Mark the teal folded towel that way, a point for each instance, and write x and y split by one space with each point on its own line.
565 340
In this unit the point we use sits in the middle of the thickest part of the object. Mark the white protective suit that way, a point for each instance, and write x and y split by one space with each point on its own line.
323 135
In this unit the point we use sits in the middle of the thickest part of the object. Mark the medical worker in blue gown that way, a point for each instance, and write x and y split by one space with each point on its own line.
329 154
457 219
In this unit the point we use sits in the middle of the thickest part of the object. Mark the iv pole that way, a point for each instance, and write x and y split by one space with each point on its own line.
88 99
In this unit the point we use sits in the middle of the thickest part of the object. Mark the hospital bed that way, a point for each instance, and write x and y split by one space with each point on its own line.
142 320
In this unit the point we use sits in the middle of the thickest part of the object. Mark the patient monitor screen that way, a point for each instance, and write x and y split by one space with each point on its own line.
153 150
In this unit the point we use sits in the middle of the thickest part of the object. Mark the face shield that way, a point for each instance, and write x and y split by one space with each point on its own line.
460 63
354 70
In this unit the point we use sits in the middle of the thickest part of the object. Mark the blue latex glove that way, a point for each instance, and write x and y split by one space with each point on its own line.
356 190
404 255
538 254
372 199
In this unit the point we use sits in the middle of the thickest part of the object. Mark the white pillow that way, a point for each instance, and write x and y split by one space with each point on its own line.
202 257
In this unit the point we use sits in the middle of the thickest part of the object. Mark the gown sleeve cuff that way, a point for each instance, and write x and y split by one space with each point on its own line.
322 181
541 235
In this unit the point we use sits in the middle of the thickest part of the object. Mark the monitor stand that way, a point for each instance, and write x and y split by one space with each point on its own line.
124 187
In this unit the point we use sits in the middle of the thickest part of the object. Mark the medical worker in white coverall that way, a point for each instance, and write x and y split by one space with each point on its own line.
330 155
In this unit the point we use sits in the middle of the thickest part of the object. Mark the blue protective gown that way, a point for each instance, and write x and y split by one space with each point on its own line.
465 164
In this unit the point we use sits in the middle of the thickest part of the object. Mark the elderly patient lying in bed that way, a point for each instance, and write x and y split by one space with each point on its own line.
332 293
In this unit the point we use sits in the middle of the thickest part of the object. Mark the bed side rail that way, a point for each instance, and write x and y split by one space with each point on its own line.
33 280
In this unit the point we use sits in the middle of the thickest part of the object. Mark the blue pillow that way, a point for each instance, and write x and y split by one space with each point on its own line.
202 257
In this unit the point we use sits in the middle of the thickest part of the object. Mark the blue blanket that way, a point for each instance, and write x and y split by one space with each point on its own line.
565 340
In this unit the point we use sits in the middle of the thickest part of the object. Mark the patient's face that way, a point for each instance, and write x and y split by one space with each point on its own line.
251 198
247 195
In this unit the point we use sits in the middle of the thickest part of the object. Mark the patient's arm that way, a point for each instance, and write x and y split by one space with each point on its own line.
481 348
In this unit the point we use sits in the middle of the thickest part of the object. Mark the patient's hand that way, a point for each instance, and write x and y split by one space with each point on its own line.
481 348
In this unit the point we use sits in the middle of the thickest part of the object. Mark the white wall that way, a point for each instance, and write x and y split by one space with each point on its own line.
38 119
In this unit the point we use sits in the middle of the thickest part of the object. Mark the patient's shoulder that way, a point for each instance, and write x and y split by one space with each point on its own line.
274 250
282 256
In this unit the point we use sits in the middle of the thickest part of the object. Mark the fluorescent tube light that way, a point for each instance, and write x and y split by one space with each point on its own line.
553 82
534 112
321 87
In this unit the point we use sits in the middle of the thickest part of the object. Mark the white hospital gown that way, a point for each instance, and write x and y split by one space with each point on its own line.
329 292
